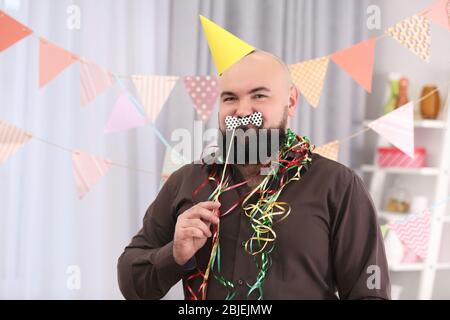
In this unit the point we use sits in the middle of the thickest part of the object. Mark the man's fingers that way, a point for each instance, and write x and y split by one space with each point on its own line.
193 232
199 224
210 205
207 215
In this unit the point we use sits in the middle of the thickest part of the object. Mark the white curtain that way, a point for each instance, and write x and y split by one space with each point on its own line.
44 228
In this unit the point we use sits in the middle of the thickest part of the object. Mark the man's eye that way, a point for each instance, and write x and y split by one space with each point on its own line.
228 99
259 96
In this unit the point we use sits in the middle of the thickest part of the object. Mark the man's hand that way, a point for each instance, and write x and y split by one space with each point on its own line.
193 229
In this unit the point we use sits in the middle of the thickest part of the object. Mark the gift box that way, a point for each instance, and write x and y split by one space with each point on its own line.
393 157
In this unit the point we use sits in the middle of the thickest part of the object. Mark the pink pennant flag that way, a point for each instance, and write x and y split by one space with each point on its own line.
94 80
398 128
414 232
52 61
11 31
439 13
358 62
125 116
88 169
203 90
11 140
154 92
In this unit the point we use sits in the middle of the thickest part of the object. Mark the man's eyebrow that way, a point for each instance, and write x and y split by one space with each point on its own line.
229 93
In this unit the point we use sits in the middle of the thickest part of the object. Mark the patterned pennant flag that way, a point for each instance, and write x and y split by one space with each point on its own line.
357 61
52 61
309 77
11 31
329 150
88 169
439 13
154 92
203 90
414 34
11 140
398 128
125 116
414 232
94 80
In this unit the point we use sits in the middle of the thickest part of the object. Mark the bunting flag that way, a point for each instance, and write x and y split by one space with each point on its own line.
87 170
203 91
398 128
309 76
226 49
94 80
125 116
52 61
329 150
11 31
439 13
357 61
414 34
154 92
11 140
414 232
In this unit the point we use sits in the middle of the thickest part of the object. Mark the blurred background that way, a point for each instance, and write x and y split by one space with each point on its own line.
55 246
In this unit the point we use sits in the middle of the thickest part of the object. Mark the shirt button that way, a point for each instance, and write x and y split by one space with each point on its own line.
243 243
240 282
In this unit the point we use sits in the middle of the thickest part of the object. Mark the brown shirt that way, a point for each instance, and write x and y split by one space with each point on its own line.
328 244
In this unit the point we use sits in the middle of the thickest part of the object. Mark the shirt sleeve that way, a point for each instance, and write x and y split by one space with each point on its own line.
359 259
147 269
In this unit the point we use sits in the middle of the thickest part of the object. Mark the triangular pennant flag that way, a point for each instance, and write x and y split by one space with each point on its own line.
203 90
414 34
52 61
414 232
11 140
226 49
398 128
358 62
11 31
125 116
329 150
154 92
309 76
88 169
94 80
439 13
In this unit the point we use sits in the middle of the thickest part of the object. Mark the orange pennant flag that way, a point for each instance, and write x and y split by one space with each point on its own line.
357 61
309 77
11 140
94 80
329 150
11 31
439 13
52 61
88 169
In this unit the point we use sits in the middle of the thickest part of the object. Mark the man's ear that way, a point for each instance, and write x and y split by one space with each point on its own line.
293 98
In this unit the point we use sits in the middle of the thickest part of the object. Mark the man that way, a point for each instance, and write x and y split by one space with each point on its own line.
328 247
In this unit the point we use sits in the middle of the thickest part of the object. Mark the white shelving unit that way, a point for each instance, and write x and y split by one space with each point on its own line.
441 176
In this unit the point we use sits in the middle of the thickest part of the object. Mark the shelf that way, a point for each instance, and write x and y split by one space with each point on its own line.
426 171
393 215
426 124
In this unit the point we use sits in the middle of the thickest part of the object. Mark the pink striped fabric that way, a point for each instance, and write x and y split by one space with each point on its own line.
392 157
414 232
94 80
88 169
11 139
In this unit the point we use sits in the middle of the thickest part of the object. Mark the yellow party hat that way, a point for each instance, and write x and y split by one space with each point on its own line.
226 48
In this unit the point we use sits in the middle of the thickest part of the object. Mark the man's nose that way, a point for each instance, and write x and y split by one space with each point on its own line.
245 108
